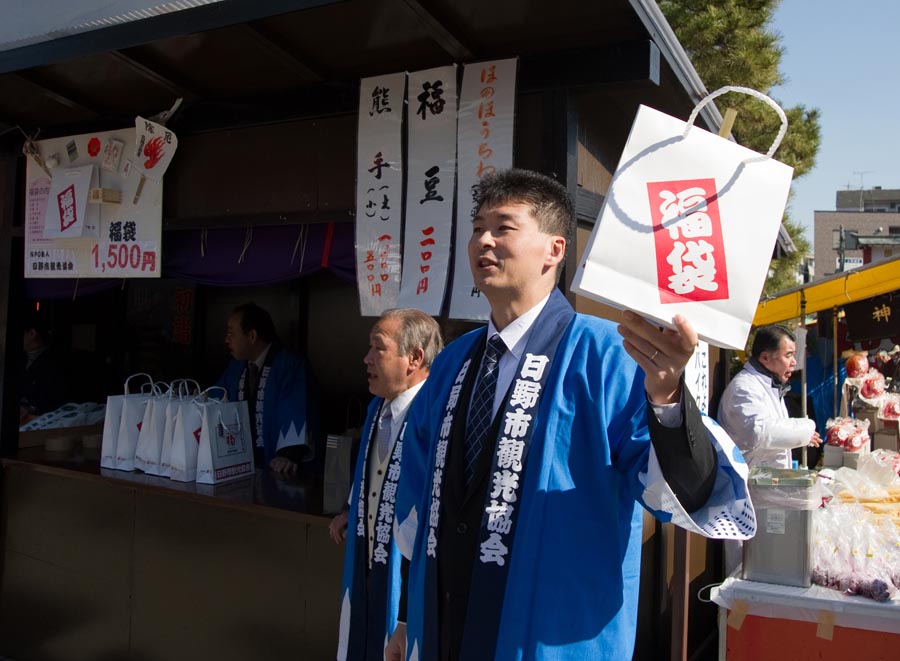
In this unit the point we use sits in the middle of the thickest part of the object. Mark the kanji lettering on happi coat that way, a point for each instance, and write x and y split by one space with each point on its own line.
506 482
690 248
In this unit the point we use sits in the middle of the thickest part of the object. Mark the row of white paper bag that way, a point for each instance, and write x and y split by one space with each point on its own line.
175 431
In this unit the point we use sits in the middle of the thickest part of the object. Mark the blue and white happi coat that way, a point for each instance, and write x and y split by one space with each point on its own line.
572 558
367 617
282 404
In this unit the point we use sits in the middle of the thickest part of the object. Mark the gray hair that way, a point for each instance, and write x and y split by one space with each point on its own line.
417 331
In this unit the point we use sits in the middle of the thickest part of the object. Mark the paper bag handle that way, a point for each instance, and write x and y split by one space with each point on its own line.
184 387
751 92
149 378
204 396
237 419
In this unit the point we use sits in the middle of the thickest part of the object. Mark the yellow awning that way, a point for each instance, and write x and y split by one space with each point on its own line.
834 291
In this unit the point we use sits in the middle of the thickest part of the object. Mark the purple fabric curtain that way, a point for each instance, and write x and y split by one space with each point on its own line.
273 254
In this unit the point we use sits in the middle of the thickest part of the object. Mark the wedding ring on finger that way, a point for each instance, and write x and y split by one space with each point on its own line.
655 354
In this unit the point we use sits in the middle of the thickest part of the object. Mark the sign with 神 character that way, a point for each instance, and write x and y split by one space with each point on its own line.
687 227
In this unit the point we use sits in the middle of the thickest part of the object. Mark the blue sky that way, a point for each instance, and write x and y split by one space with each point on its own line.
841 57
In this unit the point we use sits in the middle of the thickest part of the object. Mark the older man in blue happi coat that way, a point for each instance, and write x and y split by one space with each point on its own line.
402 345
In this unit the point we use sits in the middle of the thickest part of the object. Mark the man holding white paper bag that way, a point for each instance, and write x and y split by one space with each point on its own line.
531 445
273 381
402 345
752 408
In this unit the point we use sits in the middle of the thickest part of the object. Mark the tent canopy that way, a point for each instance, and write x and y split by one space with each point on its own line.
831 292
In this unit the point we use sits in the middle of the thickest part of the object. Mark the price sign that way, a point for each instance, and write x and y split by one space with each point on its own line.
138 257
128 240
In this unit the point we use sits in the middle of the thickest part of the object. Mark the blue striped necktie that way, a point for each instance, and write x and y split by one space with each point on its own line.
482 405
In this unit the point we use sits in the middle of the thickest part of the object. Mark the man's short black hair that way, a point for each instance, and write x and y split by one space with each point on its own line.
768 338
548 199
255 318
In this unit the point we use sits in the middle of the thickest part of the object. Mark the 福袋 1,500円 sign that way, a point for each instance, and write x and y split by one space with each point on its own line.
88 213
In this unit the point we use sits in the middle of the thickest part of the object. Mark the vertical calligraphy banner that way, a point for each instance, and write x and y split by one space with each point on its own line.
696 376
430 173
379 190
484 145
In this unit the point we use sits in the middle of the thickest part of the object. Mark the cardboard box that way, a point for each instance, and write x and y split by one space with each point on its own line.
886 439
834 457
851 459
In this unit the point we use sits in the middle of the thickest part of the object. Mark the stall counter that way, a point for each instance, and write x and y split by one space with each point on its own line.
102 564
778 622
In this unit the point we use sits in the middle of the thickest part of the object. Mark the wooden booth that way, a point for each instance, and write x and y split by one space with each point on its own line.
259 203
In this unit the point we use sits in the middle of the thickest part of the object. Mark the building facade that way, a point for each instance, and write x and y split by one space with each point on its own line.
871 223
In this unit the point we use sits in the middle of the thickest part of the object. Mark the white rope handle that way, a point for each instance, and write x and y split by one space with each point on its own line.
149 378
185 389
204 396
751 92
237 420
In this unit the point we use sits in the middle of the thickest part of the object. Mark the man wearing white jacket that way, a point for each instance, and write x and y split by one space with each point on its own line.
752 408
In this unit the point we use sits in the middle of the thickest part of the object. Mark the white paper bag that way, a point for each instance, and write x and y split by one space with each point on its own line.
149 444
688 226
68 213
185 391
186 438
133 409
112 422
226 443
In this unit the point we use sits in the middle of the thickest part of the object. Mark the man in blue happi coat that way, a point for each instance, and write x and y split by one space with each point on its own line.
402 345
274 382
532 445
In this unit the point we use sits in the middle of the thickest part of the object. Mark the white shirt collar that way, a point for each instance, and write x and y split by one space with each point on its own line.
401 403
515 335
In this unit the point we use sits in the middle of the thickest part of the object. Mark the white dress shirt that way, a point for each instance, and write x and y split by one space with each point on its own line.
515 336
399 407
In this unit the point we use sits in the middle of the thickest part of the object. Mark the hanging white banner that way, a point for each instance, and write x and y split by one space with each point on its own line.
379 190
430 169
484 145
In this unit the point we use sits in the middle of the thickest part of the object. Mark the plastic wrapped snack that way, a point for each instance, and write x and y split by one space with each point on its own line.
872 387
857 365
847 433
855 553
890 406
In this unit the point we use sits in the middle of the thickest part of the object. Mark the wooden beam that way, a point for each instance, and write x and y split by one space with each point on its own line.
135 32
63 98
152 74
681 587
268 45
630 62
439 32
